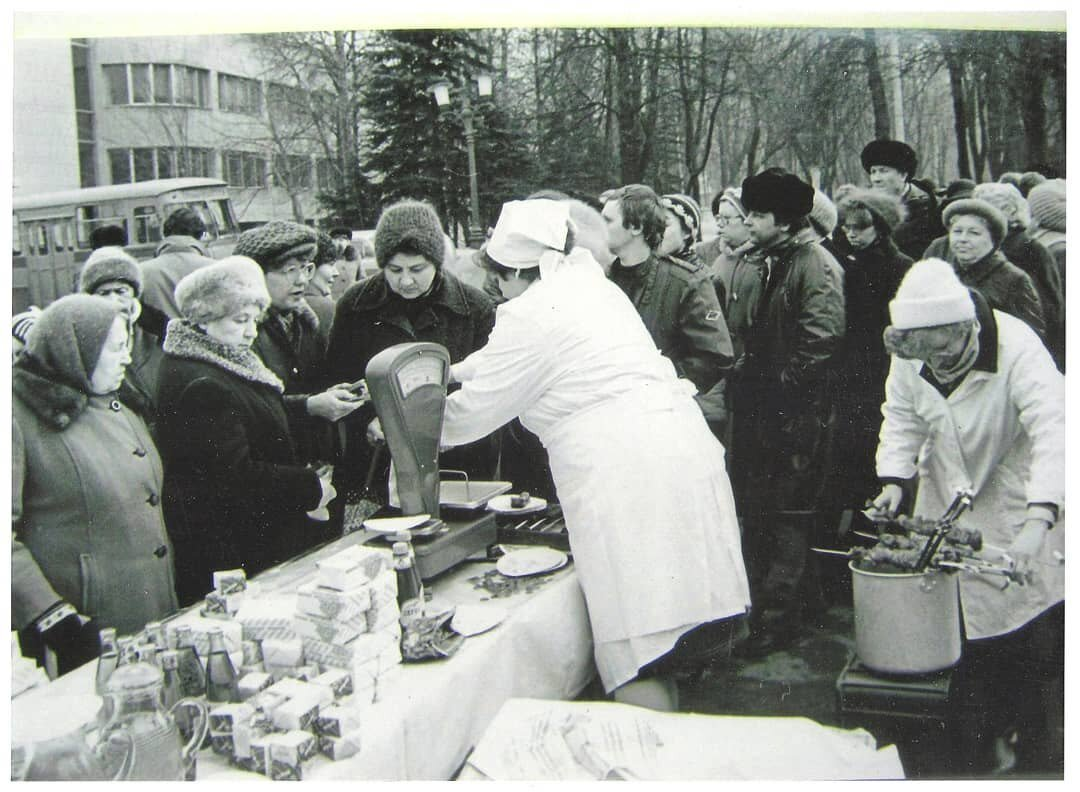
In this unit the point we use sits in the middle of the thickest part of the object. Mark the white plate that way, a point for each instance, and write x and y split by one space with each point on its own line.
475 619
395 524
501 504
530 561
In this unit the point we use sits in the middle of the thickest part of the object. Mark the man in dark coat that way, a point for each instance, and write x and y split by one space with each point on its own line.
783 415
675 298
179 253
891 166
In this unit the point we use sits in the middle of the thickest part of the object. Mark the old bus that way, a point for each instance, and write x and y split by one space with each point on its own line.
51 231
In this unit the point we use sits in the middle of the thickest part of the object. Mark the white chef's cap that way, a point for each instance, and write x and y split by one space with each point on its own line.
528 229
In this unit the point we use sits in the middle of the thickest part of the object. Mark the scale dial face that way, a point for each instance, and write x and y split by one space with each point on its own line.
420 371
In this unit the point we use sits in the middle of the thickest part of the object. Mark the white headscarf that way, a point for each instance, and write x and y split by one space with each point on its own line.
530 234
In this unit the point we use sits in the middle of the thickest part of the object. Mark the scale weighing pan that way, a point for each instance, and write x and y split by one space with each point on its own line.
470 494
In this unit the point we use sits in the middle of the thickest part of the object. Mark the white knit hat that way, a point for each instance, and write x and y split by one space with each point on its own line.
221 289
930 295
526 230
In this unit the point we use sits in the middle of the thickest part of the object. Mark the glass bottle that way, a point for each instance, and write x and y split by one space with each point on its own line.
125 649
155 634
192 673
107 661
221 680
410 589
171 691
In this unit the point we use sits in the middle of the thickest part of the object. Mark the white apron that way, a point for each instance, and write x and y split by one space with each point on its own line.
652 524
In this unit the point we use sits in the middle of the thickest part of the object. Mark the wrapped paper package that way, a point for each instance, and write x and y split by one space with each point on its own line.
282 652
361 649
337 720
352 567
330 630
340 747
297 713
253 683
288 752
348 605
338 680
384 609
218 604
224 716
230 581
266 618
222 744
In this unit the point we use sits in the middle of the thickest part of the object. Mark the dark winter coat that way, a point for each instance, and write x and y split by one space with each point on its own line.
86 508
923 223
300 365
370 317
678 303
175 257
236 493
783 412
1032 257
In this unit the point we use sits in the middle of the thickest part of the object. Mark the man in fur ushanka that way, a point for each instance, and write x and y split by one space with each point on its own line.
783 415
289 340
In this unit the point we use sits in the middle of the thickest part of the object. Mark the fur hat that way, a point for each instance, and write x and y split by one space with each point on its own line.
687 210
221 289
22 322
325 252
1029 181
995 220
108 236
276 241
779 192
110 264
891 153
411 224
1047 204
1001 195
526 230
341 231
887 211
930 295
957 189
69 335
823 215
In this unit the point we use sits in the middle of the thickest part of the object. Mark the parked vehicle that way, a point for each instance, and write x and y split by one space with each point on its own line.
51 231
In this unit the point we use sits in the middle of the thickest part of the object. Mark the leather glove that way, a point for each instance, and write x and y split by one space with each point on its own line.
73 642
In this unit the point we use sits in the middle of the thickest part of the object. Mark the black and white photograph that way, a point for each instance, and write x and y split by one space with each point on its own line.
470 393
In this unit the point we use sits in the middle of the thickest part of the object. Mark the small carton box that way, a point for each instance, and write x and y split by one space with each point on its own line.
329 603
337 720
266 618
329 630
255 682
338 680
283 652
230 581
352 567
224 716
342 747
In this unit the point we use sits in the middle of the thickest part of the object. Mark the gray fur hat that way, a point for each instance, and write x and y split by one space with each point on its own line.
221 289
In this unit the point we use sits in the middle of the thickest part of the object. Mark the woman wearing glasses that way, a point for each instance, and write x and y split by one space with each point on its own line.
236 492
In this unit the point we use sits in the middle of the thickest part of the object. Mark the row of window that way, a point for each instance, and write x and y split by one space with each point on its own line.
238 168
174 84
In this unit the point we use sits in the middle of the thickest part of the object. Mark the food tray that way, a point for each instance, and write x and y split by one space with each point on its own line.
470 494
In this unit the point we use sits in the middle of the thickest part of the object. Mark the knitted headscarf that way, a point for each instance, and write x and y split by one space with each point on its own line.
409 224
688 212
68 337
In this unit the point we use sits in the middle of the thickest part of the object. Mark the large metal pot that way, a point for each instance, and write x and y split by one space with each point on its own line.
906 623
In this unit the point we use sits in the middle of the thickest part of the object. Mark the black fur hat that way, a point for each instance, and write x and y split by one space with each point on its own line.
892 153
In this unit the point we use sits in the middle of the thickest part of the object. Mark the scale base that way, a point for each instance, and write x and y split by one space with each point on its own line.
463 536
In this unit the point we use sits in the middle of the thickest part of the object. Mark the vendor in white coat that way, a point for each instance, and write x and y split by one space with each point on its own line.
973 401
640 477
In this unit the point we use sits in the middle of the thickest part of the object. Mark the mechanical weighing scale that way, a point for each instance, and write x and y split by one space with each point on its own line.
407 383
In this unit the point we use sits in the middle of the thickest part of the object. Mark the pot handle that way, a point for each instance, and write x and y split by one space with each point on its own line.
202 724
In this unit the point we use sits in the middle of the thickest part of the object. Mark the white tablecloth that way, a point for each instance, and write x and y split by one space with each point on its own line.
427 716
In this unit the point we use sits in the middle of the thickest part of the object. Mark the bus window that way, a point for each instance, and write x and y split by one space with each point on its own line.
86 220
223 211
147 225
56 230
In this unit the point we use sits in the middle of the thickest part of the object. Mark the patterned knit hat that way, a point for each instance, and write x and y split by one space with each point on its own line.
823 215
687 210
732 196
270 244
1047 204
221 289
995 220
22 322
110 264
892 154
69 335
413 225
325 252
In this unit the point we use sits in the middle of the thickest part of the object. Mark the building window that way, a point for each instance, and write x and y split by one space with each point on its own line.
143 164
243 169
120 165
87 165
239 95
84 115
157 83
193 162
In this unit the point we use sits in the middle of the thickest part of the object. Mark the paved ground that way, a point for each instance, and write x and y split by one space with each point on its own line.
801 680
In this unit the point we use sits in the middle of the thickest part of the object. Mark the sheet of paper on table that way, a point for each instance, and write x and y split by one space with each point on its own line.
531 740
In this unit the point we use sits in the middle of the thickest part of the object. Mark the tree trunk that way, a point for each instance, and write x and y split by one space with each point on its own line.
626 84
956 84
876 83
1032 107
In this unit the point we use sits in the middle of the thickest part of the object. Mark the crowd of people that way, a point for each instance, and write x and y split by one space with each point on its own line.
703 410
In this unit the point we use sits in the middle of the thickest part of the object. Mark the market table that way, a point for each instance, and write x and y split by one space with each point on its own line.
427 716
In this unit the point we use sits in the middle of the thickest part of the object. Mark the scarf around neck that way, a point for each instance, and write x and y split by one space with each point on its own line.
185 340
963 363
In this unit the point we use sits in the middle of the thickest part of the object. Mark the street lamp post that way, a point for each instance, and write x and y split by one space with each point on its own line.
475 233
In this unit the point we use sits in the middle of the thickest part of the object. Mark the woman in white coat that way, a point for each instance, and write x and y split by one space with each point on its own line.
973 401
640 477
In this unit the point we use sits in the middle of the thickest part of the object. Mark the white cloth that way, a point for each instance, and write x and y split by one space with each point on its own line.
1000 434
640 477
